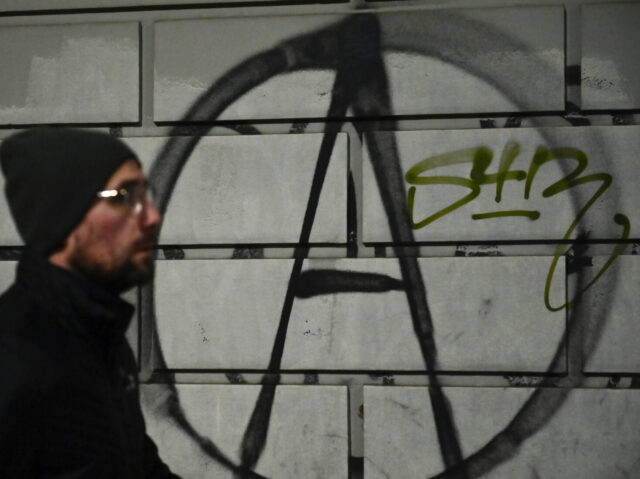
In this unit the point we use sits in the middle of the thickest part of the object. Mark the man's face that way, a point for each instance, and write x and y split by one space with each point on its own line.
112 245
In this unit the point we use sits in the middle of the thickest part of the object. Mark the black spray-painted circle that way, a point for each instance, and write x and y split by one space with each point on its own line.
362 84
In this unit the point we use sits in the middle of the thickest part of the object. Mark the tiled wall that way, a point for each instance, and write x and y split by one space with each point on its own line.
398 236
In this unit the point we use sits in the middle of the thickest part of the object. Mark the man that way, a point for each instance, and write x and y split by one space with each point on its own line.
69 405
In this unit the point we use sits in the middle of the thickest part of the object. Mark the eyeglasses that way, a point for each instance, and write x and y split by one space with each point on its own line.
131 196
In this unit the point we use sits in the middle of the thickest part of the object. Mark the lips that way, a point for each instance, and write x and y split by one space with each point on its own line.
145 244
144 249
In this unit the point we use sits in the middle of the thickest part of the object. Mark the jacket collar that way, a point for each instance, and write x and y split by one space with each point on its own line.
79 304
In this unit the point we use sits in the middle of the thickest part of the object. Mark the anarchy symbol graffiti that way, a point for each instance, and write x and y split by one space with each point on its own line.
362 85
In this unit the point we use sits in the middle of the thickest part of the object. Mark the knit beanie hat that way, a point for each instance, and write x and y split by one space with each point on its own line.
52 176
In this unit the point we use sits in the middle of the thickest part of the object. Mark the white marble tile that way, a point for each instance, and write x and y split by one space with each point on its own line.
75 73
252 189
475 60
591 435
610 59
458 61
219 313
488 313
439 163
307 436
183 73
611 310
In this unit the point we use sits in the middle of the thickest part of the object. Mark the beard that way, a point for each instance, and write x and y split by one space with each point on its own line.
116 278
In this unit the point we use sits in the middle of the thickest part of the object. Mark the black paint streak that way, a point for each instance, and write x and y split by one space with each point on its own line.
513 122
613 382
235 378
311 378
190 130
484 250
576 256
573 75
572 110
173 253
245 129
315 282
388 380
574 117
299 127
380 251
621 120
256 433
488 250
356 467
526 381
352 219
368 82
487 123
248 253
255 436
576 263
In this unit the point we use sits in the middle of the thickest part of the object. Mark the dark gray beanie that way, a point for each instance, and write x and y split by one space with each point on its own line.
52 176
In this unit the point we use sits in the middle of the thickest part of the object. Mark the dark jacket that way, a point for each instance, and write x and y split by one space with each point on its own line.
69 405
